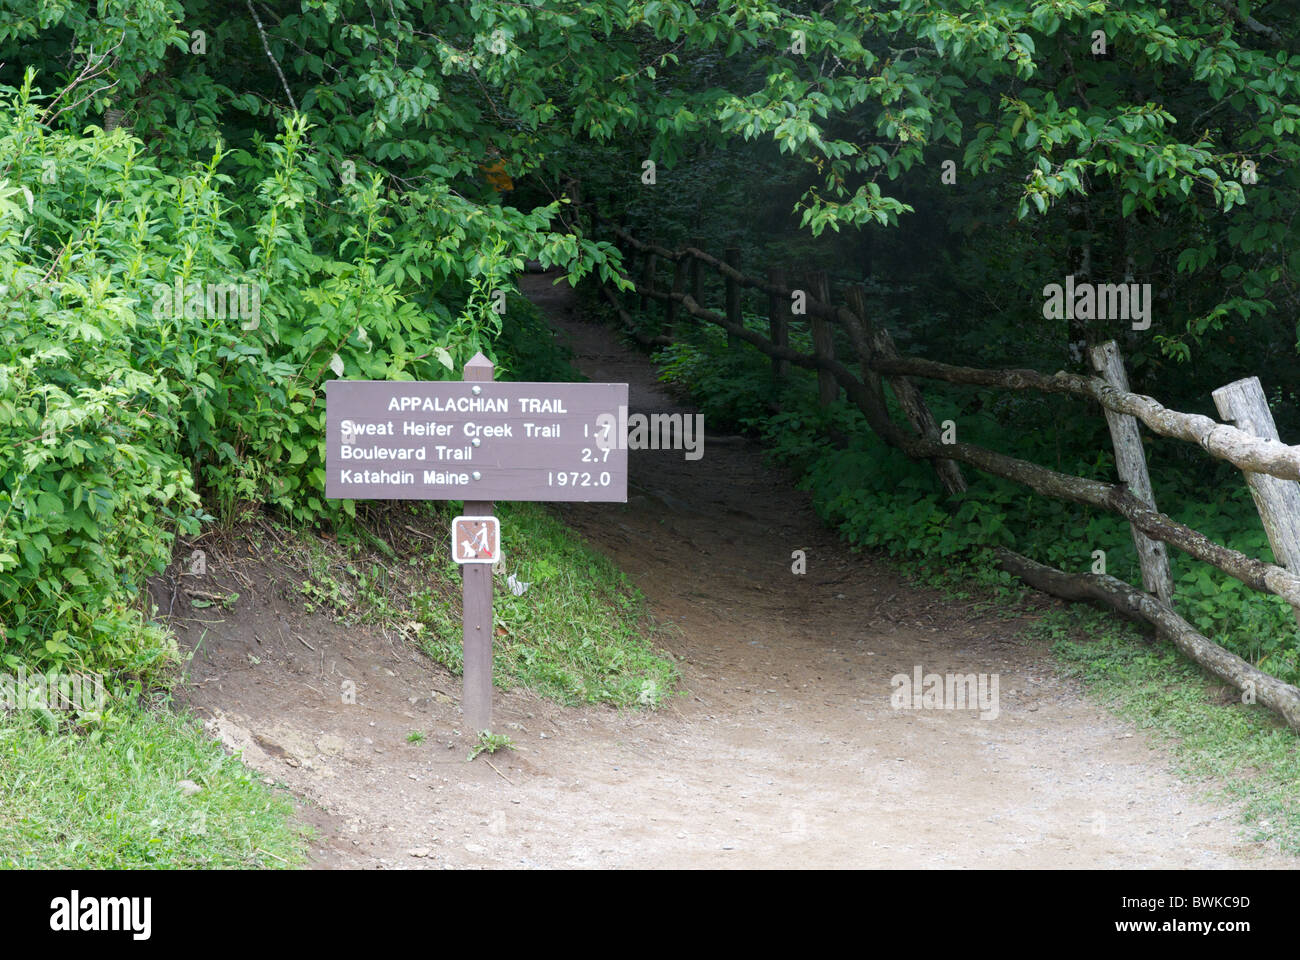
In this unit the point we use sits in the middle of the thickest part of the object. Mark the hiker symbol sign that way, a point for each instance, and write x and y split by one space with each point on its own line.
475 539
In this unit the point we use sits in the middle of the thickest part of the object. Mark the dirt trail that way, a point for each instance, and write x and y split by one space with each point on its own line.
784 751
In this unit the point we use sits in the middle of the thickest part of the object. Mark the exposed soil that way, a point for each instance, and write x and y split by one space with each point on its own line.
783 751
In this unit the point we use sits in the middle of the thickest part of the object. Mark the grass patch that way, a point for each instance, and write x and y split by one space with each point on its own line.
579 634
112 799
1252 756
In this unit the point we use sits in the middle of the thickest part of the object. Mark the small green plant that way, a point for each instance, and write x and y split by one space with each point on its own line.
415 736
490 743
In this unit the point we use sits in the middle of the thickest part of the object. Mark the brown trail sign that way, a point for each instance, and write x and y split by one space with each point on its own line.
394 440
477 441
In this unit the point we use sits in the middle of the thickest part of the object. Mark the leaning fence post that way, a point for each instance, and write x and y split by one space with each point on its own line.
1131 464
1277 500
679 282
778 322
732 257
856 299
647 282
828 388
697 272
873 341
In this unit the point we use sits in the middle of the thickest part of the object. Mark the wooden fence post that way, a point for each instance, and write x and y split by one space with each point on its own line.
697 272
679 282
856 298
778 322
732 257
1131 464
872 340
1277 500
828 388
646 282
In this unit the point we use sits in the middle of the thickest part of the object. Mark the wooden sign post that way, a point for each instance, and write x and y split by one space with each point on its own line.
477 441
476 596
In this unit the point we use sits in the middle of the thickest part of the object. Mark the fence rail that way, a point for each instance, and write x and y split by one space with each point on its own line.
1272 468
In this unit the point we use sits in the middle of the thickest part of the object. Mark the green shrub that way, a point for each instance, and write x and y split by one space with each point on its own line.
138 399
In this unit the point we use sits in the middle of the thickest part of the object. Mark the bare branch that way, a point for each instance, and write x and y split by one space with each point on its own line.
270 56
1249 22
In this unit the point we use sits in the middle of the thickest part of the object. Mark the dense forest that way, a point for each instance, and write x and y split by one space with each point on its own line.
211 208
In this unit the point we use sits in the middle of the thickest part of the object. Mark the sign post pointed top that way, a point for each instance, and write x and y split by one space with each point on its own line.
479 367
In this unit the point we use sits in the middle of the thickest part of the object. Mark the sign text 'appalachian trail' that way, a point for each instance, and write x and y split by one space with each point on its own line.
458 440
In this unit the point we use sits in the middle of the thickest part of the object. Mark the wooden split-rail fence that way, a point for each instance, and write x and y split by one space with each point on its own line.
1249 440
